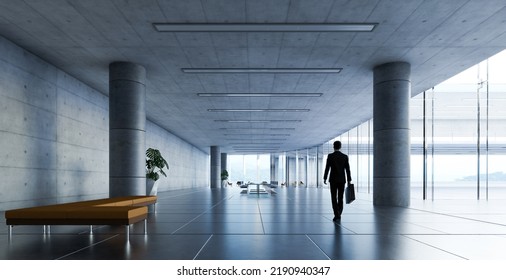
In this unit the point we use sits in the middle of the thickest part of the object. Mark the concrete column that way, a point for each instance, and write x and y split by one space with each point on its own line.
215 167
319 166
224 162
274 168
127 127
392 92
223 167
297 177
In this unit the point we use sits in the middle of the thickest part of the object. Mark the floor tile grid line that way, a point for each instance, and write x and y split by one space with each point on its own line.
87 247
416 224
458 217
198 216
446 215
178 195
326 218
427 227
261 219
319 248
440 249
203 246
289 198
89 230
431 228
354 232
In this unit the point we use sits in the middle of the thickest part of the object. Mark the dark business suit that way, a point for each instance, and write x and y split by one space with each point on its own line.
339 167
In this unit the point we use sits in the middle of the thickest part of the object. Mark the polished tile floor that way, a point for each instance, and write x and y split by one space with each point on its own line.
223 224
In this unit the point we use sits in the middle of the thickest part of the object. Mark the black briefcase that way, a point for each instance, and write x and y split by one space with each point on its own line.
349 192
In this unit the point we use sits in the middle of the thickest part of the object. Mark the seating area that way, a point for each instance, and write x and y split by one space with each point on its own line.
108 211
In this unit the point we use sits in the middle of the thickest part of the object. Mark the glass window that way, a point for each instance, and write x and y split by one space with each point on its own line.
495 130
458 141
249 168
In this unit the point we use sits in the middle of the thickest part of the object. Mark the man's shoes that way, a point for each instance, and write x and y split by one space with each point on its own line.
336 218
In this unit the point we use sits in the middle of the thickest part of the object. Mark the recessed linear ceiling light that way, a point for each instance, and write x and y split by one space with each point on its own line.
279 145
256 128
256 121
258 110
256 147
261 70
273 144
260 94
258 139
256 151
255 134
264 27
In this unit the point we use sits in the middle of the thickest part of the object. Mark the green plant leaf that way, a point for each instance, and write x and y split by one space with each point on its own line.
154 161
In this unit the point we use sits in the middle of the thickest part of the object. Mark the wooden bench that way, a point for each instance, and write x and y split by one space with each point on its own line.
108 211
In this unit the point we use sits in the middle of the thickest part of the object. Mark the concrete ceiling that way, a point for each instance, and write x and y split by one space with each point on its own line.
439 39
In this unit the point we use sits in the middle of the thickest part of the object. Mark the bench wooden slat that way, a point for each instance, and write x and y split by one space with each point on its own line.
117 210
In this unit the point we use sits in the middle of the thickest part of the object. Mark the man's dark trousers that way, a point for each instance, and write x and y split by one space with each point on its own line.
337 193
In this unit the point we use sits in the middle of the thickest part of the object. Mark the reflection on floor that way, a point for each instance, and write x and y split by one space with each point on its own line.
218 224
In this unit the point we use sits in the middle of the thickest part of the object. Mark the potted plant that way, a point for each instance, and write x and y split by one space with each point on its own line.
154 167
224 178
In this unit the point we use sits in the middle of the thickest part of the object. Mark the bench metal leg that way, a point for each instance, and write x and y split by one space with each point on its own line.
127 233
146 226
10 231
91 229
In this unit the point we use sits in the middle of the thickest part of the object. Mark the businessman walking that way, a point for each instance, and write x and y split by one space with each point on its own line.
339 167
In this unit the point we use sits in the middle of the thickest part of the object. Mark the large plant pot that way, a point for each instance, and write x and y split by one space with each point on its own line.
151 187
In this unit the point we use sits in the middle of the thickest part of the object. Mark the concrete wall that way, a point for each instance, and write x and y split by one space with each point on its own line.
54 134
189 166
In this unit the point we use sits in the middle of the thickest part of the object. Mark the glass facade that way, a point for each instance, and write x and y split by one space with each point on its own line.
458 143
249 168
458 138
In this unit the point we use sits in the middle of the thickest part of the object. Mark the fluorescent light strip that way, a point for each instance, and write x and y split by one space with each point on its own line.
256 147
256 128
255 140
255 151
260 94
258 110
252 148
259 148
255 134
256 121
264 27
255 143
261 70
